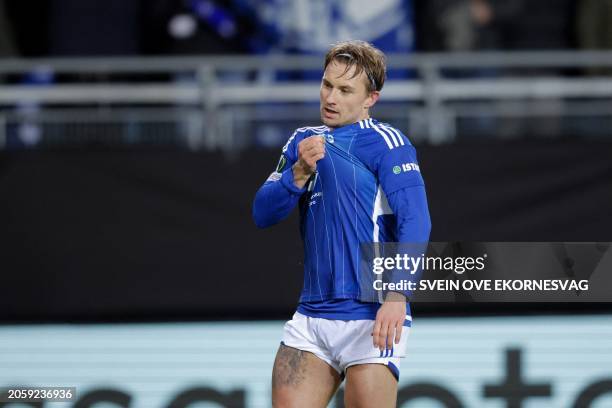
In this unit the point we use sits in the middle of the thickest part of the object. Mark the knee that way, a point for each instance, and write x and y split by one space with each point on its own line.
352 402
282 399
355 402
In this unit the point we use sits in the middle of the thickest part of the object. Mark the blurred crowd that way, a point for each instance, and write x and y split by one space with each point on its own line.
467 25
141 27
60 28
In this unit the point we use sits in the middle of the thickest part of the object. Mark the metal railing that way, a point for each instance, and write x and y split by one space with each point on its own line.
217 94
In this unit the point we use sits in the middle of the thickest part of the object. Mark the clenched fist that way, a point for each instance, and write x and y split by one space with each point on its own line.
310 151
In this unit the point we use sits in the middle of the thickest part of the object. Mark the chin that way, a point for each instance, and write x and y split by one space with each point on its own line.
332 123
327 122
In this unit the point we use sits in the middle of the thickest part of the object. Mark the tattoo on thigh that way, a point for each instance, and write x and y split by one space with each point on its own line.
289 367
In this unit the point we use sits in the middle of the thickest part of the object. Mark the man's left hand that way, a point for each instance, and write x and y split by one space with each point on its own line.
389 321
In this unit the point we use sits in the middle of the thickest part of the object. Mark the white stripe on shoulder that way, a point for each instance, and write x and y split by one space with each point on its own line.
319 131
387 131
361 124
286 146
384 135
316 129
366 123
399 135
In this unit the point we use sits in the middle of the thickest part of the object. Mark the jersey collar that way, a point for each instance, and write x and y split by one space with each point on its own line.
362 124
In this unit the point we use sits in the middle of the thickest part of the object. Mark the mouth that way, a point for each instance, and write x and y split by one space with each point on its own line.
329 112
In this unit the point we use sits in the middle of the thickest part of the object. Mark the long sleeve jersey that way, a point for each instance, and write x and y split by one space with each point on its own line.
367 189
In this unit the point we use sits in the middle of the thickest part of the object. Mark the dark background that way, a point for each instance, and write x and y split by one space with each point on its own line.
158 235
112 234
124 27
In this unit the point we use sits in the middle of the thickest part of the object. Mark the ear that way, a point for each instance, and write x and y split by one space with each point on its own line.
371 99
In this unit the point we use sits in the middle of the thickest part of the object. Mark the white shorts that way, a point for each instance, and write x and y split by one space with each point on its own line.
342 343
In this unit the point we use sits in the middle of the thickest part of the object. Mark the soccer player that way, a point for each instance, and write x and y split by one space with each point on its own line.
356 180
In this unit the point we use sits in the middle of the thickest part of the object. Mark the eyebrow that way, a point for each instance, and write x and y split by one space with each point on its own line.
326 81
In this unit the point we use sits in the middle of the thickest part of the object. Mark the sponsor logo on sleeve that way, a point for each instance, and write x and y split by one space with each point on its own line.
406 167
282 162
274 176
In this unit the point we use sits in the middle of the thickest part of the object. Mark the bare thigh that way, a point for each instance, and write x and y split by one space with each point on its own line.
301 379
370 385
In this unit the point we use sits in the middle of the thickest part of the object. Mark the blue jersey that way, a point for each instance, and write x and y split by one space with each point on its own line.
367 188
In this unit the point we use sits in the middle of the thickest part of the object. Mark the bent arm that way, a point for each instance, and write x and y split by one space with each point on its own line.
276 198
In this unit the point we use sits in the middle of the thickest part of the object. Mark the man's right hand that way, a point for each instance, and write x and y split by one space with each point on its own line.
310 151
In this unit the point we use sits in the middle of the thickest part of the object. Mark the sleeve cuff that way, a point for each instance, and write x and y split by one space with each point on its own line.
287 181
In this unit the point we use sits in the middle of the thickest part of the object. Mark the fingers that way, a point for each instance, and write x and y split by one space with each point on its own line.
390 335
311 150
318 140
315 158
389 324
398 332
312 145
386 333
312 141
311 160
376 333
381 335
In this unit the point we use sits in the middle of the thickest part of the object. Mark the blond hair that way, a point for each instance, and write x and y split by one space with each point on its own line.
364 57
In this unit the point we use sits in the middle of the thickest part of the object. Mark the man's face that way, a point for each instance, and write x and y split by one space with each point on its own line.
344 97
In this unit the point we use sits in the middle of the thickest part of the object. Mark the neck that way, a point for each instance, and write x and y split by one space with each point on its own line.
365 116
362 117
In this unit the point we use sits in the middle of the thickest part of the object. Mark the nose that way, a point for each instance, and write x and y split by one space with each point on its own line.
330 98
